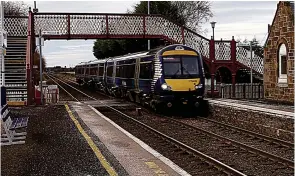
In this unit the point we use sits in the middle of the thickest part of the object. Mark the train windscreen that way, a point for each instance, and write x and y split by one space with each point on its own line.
181 67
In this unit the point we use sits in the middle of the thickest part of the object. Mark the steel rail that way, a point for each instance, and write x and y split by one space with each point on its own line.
227 169
101 93
75 88
62 88
261 136
289 163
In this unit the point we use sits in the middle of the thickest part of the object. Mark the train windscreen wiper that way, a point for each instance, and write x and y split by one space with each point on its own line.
187 71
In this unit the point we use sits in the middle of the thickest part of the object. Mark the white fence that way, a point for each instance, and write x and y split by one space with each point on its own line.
242 90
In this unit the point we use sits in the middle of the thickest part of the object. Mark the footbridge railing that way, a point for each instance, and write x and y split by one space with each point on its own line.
107 26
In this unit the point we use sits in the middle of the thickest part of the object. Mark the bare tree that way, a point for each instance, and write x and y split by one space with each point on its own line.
194 13
15 8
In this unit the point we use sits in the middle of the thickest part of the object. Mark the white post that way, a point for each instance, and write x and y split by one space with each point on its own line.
40 48
149 47
251 71
2 44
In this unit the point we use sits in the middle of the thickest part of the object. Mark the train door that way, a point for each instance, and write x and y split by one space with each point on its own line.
97 72
105 65
136 74
114 73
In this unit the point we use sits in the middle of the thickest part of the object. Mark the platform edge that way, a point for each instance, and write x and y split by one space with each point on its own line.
165 160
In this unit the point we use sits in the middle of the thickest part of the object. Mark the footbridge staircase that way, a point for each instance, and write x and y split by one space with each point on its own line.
67 26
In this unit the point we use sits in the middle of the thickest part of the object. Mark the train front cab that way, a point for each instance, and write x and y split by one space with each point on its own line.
182 83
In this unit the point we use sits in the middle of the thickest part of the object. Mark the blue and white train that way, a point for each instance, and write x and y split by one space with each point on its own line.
162 77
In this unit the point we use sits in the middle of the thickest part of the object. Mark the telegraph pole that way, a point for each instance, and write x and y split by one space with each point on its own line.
149 47
40 50
251 70
2 45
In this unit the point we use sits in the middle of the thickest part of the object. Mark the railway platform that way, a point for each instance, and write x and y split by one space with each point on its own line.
257 106
76 139
268 119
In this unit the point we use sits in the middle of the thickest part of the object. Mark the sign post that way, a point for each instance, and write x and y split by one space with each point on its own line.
40 44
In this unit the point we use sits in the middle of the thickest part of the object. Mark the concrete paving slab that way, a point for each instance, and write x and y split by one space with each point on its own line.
135 157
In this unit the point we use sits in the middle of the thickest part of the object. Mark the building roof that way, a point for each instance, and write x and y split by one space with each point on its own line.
291 3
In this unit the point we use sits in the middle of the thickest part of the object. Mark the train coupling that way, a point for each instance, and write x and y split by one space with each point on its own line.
197 104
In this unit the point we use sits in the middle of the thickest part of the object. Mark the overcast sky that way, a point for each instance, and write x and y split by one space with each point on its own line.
242 19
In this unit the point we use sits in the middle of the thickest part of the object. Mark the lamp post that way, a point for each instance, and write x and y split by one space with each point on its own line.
2 45
148 3
213 26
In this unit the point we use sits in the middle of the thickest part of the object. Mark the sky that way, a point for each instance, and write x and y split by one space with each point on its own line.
241 19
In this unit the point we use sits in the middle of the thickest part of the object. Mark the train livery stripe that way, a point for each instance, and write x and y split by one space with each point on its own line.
182 84
179 52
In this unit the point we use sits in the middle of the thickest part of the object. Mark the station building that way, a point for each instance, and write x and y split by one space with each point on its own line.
278 78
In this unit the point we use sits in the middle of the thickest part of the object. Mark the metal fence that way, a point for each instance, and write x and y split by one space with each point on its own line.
50 93
242 90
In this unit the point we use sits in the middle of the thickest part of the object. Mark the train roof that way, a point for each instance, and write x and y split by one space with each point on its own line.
130 55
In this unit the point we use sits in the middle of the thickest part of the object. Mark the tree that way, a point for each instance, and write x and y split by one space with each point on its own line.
194 13
187 13
15 8
256 47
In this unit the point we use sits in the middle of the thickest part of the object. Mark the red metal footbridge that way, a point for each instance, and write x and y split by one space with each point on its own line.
216 53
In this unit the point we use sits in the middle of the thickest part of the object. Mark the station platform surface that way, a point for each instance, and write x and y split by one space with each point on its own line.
78 140
253 105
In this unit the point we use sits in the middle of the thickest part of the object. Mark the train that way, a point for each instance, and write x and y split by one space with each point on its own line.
161 78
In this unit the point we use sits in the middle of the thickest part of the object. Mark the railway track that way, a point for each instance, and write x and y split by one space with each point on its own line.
70 90
213 166
274 146
175 139
243 157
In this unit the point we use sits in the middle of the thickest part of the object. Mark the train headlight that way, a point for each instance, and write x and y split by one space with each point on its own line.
199 86
165 87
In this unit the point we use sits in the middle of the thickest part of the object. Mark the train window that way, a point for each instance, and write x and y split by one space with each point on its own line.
118 71
100 71
128 71
145 71
91 71
110 71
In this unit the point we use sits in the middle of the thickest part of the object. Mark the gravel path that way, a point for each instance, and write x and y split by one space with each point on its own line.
53 146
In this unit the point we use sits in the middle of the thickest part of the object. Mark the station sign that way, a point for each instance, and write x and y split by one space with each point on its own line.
51 33
51 87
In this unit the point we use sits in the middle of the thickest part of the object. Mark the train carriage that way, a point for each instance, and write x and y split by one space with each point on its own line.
162 77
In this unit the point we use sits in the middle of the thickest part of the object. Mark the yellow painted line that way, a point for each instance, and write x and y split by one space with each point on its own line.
16 103
97 152
179 52
156 168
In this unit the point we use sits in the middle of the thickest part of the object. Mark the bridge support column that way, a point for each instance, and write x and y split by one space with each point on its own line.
212 64
212 85
234 85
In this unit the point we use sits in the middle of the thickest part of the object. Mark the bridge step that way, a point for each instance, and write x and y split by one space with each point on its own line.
15 70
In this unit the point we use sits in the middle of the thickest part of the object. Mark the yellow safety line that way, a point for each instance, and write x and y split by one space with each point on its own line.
156 168
97 152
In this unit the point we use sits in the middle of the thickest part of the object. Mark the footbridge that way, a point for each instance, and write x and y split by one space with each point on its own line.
22 30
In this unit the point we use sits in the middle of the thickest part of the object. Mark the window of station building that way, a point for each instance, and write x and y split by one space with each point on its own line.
145 71
282 64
